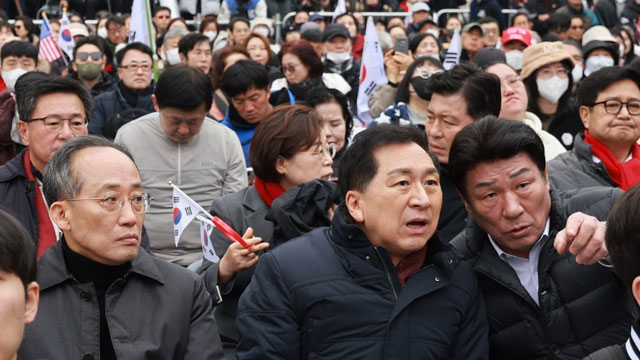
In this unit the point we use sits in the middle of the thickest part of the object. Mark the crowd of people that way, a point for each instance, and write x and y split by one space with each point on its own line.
486 207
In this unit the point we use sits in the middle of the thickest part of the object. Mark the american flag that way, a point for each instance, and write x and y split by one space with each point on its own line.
48 45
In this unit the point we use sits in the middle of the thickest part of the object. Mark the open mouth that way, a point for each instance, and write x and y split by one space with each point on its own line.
416 224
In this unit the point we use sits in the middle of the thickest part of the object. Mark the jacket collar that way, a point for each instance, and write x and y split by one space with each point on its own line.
52 269
13 168
351 236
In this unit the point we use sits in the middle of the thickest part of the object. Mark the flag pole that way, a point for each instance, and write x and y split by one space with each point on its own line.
152 41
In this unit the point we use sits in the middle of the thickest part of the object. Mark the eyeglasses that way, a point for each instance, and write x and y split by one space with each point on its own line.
114 201
329 151
134 67
95 56
615 106
289 68
549 73
512 81
54 123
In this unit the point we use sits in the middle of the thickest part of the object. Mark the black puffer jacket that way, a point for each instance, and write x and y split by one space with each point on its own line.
582 308
331 294
575 169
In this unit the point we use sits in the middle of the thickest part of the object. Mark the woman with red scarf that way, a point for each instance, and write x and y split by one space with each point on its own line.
288 148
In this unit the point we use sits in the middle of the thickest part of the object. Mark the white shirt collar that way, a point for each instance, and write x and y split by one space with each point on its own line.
503 254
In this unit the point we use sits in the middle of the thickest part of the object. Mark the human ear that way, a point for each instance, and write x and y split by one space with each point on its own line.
354 205
584 115
155 103
281 165
60 215
23 131
31 307
635 289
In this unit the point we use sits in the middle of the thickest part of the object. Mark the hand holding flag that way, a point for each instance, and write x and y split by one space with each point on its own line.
372 71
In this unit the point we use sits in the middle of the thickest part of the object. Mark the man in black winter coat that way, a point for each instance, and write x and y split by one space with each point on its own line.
378 283
535 251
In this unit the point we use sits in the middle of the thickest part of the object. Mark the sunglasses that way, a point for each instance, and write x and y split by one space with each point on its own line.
95 56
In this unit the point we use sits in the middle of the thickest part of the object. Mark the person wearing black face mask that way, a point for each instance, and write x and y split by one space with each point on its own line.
412 97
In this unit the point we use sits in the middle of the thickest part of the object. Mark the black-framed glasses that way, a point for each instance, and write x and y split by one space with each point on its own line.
613 106
54 123
83 56
114 201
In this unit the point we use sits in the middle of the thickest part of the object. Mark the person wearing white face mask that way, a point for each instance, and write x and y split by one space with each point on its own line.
546 72
16 58
599 49
514 41
338 58
169 49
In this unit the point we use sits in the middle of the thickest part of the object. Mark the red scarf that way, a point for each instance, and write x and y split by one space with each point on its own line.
268 191
625 174
46 233
411 264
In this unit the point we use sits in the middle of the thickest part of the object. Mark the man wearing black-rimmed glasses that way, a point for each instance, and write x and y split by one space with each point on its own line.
52 111
102 298
607 153
131 96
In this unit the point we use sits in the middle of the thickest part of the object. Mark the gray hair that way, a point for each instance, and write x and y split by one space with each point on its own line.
58 182
175 32
29 96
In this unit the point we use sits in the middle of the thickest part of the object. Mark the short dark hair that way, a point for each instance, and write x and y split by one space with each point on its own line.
491 139
95 40
322 95
190 41
238 19
598 81
17 251
183 87
29 97
358 165
287 130
114 19
242 76
480 90
133 46
219 62
60 181
559 22
308 57
622 236
488 20
20 48
160 8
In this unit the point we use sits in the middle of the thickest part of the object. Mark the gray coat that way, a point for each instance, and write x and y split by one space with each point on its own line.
575 169
156 311
240 210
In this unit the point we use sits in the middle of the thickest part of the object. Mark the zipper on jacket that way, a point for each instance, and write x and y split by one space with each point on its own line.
179 165
386 270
